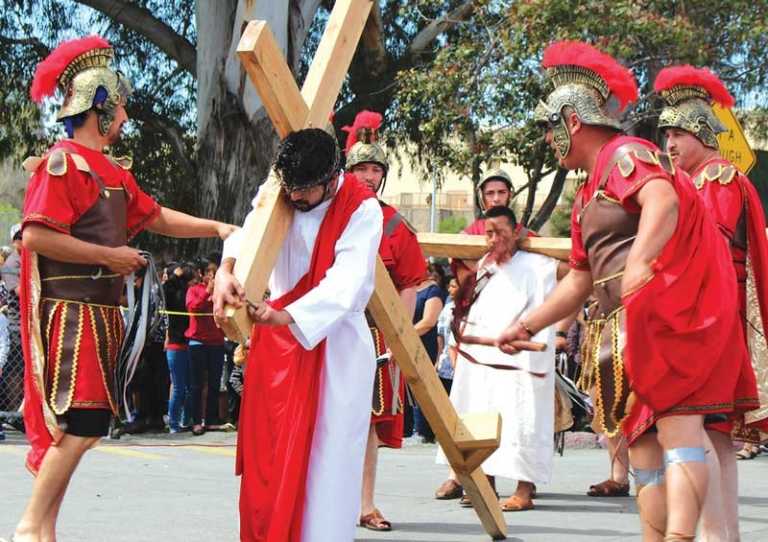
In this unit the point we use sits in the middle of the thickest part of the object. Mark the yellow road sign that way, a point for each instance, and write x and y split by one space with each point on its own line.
733 144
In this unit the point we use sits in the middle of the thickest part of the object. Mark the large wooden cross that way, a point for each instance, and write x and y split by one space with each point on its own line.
467 441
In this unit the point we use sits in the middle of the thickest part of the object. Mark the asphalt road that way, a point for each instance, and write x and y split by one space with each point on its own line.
182 488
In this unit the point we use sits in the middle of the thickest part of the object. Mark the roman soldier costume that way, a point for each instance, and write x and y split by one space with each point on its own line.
688 94
401 254
669 345
72 328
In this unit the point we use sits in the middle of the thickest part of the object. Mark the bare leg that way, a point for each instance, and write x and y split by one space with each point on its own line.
369 472
51 483
617 447
48 530
714 525
687 473
647 461
728 513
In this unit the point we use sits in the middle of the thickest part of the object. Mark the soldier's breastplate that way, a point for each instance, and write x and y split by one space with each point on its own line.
103 224
608 232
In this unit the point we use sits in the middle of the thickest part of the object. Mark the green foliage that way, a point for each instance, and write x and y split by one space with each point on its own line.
472 104
9 216
560 220
452 224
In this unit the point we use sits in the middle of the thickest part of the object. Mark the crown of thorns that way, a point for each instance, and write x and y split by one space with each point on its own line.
296 162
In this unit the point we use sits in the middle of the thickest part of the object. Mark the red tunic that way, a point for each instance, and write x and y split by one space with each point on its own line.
402 256
58 197
731 199
683 339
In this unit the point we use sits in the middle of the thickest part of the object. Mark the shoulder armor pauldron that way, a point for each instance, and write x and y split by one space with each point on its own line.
56 163
627 162
722 173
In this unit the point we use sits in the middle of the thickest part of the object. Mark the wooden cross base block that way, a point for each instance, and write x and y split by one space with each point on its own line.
466 442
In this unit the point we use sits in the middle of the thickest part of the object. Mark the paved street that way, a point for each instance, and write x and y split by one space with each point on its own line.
181 488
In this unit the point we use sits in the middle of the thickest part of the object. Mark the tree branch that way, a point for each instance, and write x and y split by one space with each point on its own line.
427 35
173 132
141 21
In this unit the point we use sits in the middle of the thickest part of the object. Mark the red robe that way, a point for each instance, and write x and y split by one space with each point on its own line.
280 399
58 202
401 254
733 202
683 339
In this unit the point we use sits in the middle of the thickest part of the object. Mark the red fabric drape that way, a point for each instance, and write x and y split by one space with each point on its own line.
683 336
280 399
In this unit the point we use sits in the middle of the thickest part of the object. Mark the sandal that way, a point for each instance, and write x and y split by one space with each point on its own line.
748 452
198 430
609 488
516 504
450 489
374 521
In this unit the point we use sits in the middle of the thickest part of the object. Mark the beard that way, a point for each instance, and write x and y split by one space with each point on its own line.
115 133
301 205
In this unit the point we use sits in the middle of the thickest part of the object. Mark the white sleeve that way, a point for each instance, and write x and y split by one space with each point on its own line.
349 282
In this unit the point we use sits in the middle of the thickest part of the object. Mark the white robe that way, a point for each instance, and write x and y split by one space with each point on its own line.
525 402
334 310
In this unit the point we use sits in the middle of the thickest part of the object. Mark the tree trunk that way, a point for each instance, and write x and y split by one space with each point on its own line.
236 140
545 211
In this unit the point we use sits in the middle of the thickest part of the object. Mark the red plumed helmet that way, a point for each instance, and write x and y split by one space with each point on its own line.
617 80
365 128
49 71
689 76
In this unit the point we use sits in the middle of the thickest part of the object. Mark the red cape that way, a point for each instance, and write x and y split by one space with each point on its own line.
684 340
280 398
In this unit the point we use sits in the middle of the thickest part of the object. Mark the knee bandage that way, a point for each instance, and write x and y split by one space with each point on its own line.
648 477
685 455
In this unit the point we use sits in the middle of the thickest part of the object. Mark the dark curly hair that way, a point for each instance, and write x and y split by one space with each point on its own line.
307 158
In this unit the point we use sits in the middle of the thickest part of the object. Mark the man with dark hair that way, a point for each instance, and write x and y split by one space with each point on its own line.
306 401
495 190
81 208
507 283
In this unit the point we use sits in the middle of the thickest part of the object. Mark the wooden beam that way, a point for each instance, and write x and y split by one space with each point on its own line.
266 229
485 502
473 247
478 430
554 247
265 64
333 57
408 351
452 245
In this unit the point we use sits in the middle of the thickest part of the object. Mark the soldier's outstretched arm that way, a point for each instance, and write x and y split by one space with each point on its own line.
177 224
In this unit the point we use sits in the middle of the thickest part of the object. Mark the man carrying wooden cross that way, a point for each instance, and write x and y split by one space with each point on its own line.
306 402
508 282
407 268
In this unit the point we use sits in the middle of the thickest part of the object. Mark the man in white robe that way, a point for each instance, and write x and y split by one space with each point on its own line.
332 310
520 387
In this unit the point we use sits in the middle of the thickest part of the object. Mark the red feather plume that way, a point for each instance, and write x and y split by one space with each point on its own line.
619 79
695 77
49 70
364 119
